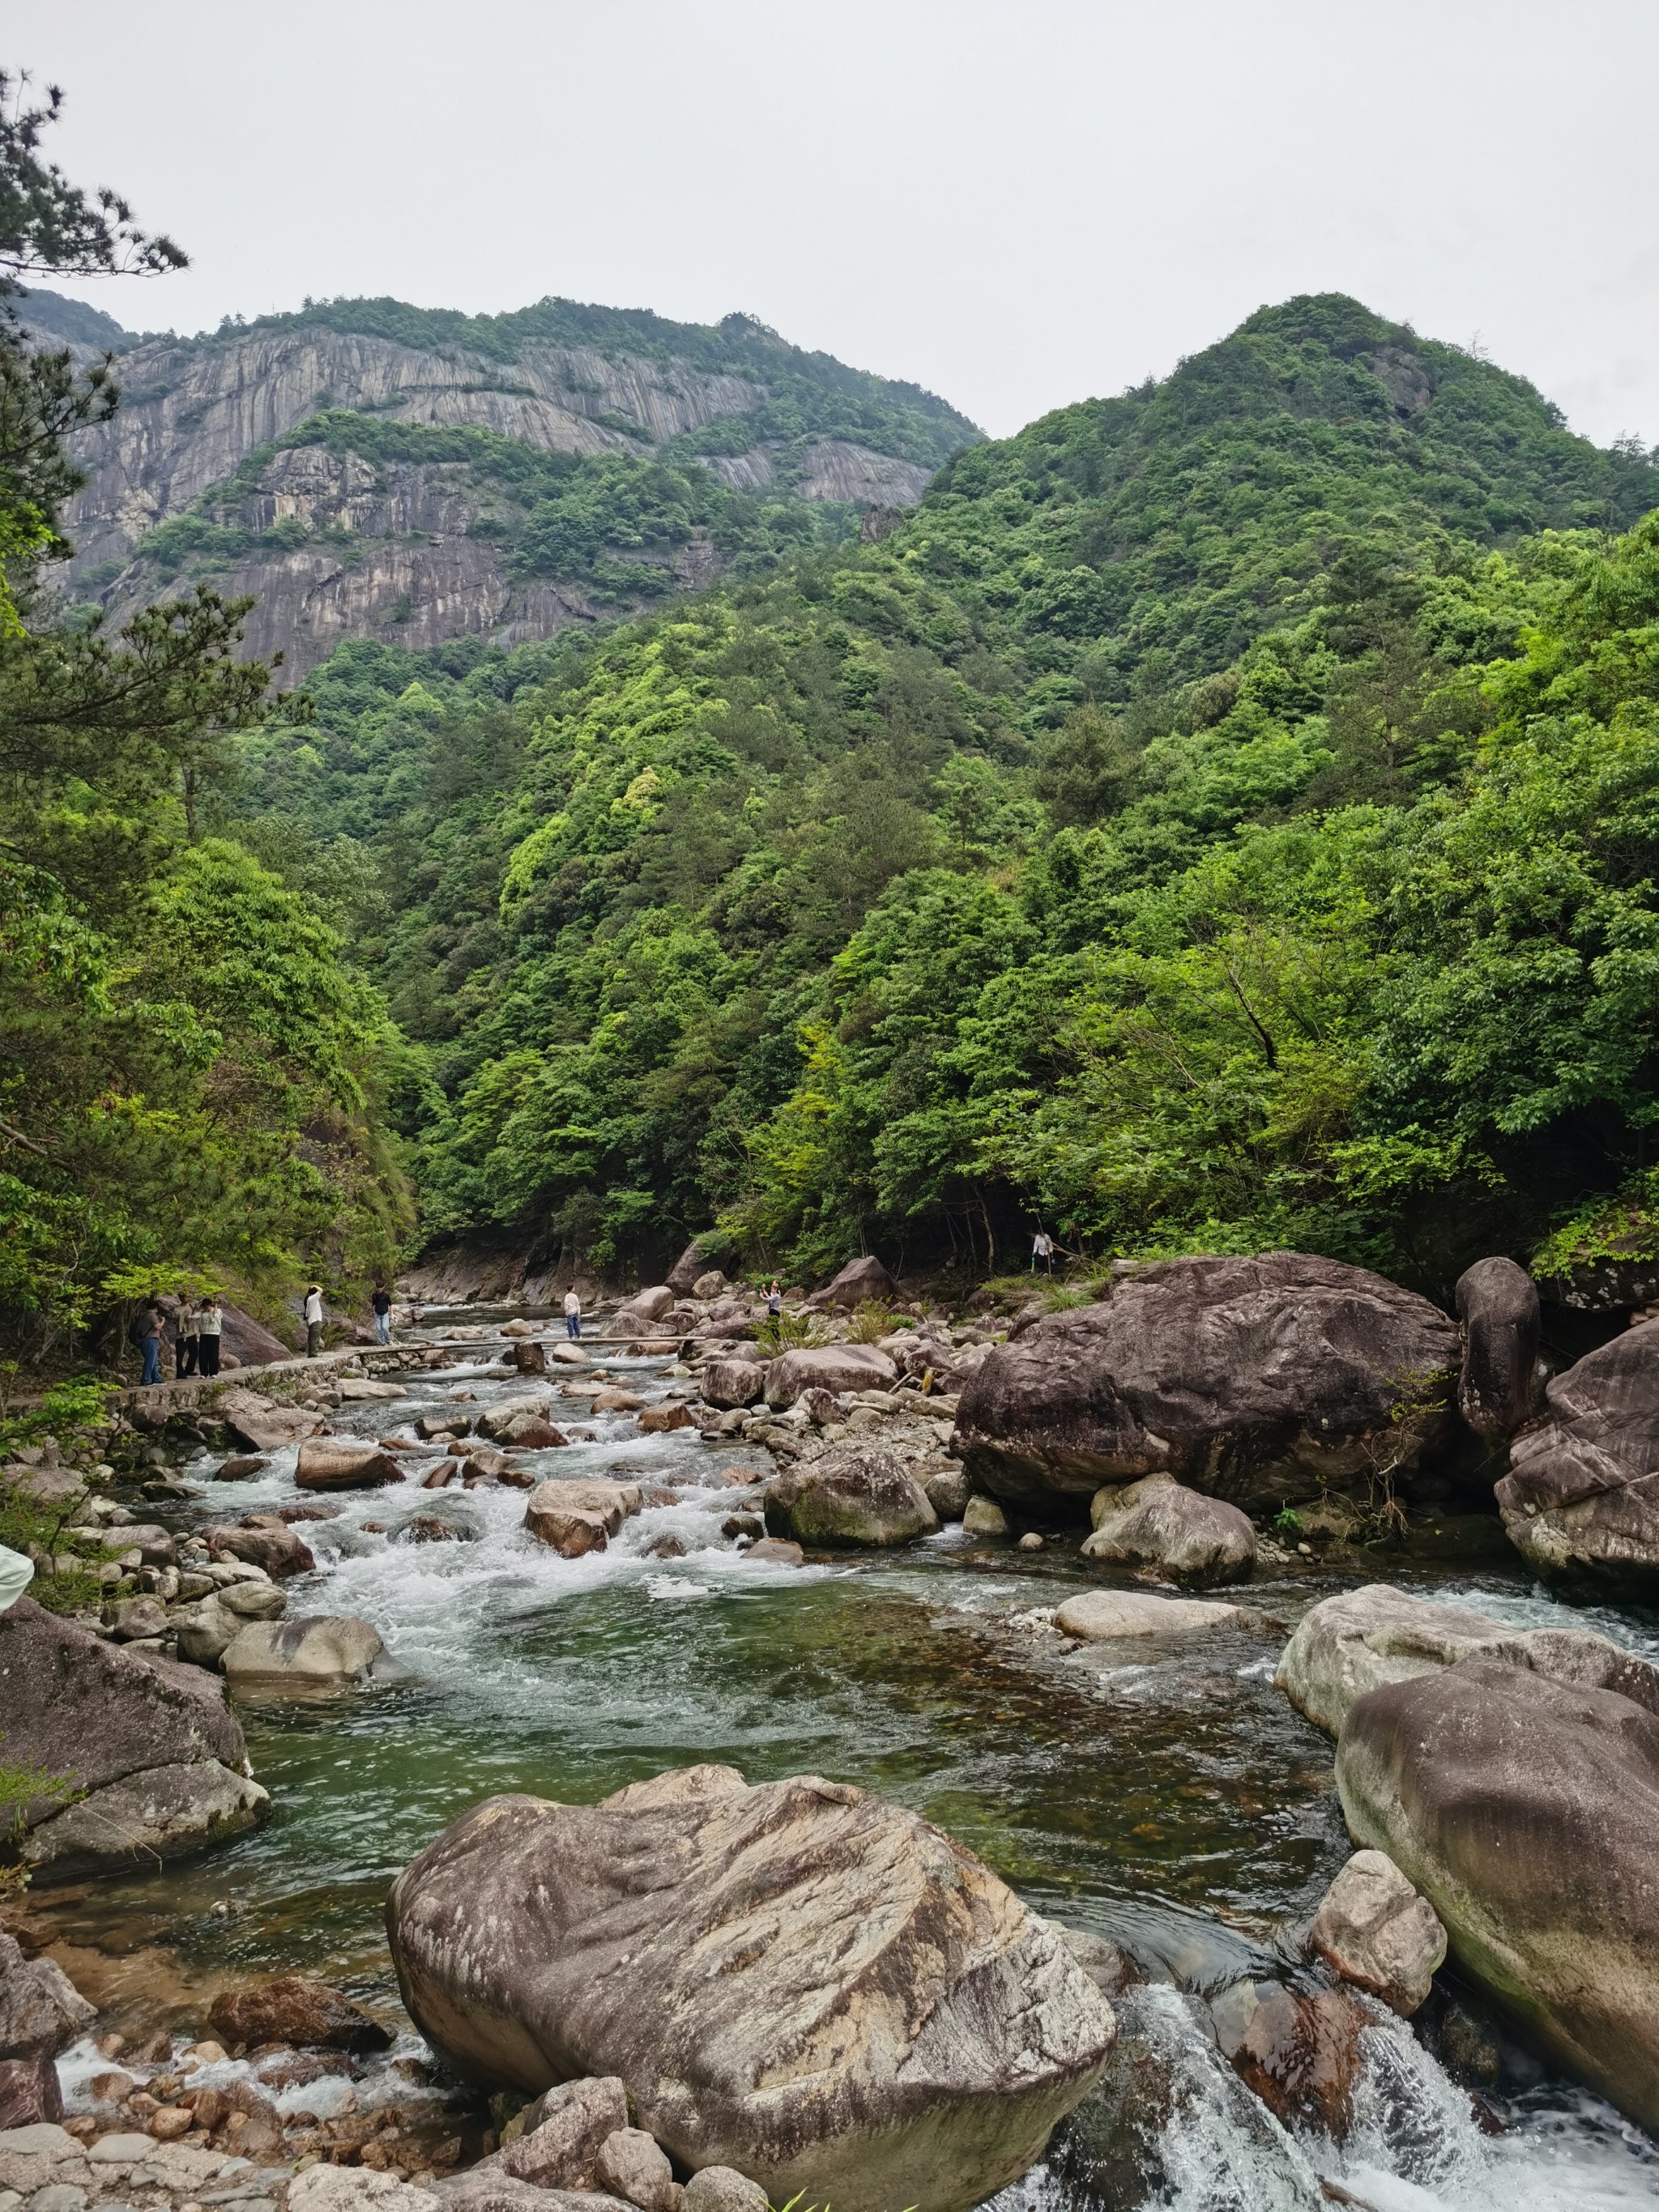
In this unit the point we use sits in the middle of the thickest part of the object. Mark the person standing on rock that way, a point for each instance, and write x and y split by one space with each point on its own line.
381 1306
1043 1249
152 1333
313 1320
186 1337
774 1298
210 1328
573 1314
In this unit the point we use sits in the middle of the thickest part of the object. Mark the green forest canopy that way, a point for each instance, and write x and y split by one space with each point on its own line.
1222 817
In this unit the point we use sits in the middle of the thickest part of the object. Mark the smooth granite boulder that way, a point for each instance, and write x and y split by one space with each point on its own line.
800 1981
1580 1499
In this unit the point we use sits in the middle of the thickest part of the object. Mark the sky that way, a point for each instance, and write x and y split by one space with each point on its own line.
1017 204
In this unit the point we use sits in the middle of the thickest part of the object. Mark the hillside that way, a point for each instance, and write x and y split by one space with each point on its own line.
1119 842
371 469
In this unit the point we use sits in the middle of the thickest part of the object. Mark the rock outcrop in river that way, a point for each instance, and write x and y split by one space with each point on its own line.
1580 1499
798 1980
1256 1380
152 1748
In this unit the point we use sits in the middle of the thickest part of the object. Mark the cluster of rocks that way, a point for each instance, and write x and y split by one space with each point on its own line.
1512 1779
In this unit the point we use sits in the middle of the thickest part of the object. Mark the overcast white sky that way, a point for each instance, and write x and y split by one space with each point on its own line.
1017 202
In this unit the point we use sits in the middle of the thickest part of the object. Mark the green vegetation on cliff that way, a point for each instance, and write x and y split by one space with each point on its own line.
1221 816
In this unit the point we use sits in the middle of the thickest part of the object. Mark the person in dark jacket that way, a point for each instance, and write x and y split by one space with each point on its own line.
381 1305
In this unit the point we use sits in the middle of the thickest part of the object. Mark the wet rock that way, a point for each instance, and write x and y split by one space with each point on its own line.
723 2189
153 1746
337 1463
530 1358
240 1466
1031 1541
575 1517
206 1631
1580 1502
658 1421
947 1493
1104 1616
1496 1303
612 1400
440 1428
1110 1970
531 1432
494 1422
983 1517
698 1929
270 1544
1177 1533
483 1464
29 2093
1524 1807
307 1653
1302 2055
857 1281
1255 1379
827 1367
568 1355
262 1423
849 1497
725 1384
41 2010
776 1551
1364 1639
292 2009
1375 1931
631 2167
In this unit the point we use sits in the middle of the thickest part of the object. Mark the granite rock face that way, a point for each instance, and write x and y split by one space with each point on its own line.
1161 1528
1258 1381
799 1981
152 1747
1497 1304
1580 1499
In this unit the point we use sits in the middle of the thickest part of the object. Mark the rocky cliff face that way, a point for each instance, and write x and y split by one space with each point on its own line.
393 549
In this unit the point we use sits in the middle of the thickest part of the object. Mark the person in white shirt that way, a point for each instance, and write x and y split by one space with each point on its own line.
1043 1249
573 1314
210 1328
16 1573
313 1322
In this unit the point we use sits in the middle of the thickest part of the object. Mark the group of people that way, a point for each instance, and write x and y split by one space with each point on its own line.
197 1326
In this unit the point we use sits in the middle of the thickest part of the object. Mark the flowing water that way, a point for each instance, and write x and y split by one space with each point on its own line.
1180 1806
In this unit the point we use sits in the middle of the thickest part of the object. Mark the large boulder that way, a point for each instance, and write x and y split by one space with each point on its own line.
341 1463
269 1543
496 1420
645 1306
303 1655
849 1497
1524 1807
1180 1535
1496 1303
827 1367
1255 1379
152 1746
857 1281
1352 1645
684 1272
261 1423
248 1342
728 1382
1580 1499
574 1517
798 1980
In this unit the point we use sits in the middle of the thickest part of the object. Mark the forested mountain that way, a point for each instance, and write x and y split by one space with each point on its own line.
366 468
1222 817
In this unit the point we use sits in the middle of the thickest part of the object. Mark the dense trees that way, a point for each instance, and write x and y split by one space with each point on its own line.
191 1078
1191 828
